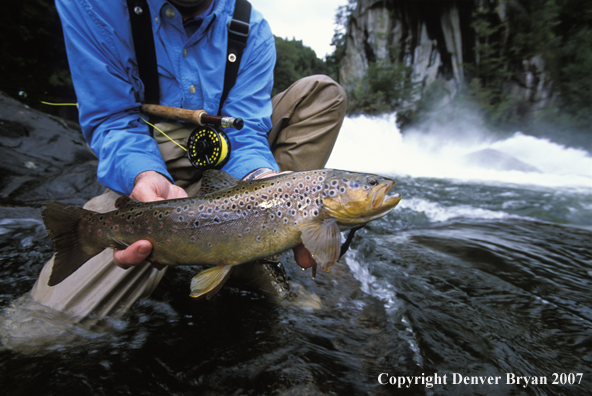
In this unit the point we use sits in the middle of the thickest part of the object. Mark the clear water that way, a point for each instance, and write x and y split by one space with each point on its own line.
479 271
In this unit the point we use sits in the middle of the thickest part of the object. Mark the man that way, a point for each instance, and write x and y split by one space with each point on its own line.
293 132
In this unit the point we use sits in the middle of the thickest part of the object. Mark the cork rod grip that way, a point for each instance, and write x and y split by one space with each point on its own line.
172 113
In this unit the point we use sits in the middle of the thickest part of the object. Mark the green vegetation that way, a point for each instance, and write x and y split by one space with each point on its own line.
554 36
557 34
294 61
33 55
383 88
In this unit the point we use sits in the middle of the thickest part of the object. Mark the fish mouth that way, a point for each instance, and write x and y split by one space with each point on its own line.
381 200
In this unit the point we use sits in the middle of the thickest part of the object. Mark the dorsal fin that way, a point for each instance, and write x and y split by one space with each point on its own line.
215 180
123 201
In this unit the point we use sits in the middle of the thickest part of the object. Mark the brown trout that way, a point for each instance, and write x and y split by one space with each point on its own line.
230 222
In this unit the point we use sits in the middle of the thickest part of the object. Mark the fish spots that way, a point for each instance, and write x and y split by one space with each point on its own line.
258 238
160 224
115 227
149 230
240 236
99 232
196 223
192 238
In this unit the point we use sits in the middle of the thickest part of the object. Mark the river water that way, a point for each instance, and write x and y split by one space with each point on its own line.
478 282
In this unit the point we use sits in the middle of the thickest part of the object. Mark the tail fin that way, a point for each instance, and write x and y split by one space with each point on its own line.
61 222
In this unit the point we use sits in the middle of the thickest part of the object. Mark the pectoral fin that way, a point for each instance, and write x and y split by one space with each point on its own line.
304 259
323 240
208 282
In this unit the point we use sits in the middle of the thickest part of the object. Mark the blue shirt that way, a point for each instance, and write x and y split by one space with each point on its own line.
191 75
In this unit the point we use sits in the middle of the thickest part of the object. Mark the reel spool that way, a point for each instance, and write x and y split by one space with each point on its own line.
208 148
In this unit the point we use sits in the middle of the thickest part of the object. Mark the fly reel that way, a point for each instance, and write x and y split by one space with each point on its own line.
208 148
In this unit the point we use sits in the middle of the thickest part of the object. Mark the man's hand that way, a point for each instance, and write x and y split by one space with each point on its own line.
149 186
152 186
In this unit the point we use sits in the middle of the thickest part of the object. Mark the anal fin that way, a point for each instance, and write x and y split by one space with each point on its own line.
209 281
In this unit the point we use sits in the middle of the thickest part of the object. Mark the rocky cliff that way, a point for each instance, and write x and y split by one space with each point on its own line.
436 40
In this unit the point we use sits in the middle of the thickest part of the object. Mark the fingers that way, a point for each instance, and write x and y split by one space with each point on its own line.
149 186
135 254
263 173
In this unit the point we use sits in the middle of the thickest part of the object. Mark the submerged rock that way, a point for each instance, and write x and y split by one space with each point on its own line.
496 160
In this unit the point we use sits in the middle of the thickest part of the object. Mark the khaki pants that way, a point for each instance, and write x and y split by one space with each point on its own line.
306 120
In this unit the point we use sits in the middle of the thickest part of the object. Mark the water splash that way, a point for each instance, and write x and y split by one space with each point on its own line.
376 145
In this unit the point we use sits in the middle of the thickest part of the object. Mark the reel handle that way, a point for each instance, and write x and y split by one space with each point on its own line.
199 117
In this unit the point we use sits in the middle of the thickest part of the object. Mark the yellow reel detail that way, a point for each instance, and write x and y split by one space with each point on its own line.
208 148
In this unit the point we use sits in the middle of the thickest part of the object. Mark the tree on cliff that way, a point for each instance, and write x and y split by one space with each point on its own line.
294 61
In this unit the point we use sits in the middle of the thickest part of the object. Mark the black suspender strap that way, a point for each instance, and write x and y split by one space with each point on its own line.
145 51
238 33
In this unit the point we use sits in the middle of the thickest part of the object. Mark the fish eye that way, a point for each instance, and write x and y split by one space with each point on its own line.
373 182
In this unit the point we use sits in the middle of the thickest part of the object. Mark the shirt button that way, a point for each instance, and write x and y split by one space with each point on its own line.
170 13
192 89
185 52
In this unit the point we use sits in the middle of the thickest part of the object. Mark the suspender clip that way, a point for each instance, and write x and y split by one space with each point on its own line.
239 28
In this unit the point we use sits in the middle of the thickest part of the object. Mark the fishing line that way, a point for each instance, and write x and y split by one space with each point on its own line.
159 130
208 147
59 104
152 125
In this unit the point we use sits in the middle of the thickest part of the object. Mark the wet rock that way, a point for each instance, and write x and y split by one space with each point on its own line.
43 158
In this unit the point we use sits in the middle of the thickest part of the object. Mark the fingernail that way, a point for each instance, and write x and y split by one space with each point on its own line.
144 250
